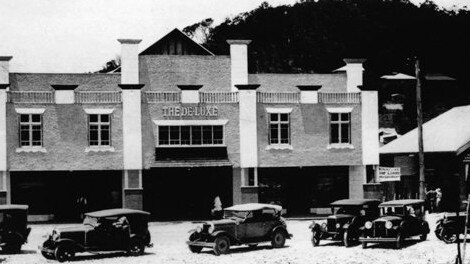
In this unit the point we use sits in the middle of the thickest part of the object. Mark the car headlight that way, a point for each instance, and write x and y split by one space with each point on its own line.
388 225
368 225
211 228
323 225
199 229
338 225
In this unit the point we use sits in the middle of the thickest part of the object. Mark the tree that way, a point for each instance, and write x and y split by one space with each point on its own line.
200 31
111 65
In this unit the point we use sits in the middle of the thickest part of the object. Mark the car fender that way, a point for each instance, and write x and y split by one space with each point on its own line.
316 227
281 228
426 227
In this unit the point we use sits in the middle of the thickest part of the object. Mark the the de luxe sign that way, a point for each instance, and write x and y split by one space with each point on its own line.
389 174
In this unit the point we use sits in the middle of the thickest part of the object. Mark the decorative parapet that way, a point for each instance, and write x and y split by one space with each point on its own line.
31 97
278 97
163 97
218 97
339 98
98 97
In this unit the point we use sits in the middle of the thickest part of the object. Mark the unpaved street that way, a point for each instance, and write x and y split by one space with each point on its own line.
169 247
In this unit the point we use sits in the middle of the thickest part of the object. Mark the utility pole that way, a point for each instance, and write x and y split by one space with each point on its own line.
419 110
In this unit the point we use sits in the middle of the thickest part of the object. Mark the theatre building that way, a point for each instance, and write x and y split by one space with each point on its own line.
178 126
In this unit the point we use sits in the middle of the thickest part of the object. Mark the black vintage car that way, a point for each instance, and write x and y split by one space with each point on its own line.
13 229
106 231
244 224
450 227
347 217
400 219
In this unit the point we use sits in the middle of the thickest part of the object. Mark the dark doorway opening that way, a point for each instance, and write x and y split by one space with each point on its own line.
186 193
58 192
299 189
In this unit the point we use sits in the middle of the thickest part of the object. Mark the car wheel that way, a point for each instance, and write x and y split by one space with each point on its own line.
195 249
47 255
136 247
347 239
221 245
279 239
449 236
364 244
399 241
63 253
315 239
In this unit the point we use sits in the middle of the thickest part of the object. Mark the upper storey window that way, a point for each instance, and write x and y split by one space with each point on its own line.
192 135
31 130
279 128
99 127
340 128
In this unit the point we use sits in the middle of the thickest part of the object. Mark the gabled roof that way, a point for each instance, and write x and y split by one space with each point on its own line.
176 34
398 76
354 202
401 202
253 207
448 132
116 212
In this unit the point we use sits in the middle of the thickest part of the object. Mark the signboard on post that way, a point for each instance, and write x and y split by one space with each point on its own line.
389 174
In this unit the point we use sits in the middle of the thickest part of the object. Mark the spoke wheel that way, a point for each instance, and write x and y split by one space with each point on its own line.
347 240
279 239
221 245
136 247
449 236
315 239
64 253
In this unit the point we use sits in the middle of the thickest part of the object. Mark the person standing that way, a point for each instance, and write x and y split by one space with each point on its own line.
438 199
81 205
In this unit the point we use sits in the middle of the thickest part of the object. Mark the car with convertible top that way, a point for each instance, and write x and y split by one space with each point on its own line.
106 231
400 219
244 224
348 216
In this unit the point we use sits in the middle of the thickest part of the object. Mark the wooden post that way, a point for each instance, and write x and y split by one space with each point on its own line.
419 109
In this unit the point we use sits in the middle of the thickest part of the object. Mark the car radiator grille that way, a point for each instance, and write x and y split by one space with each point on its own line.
379 229
331 225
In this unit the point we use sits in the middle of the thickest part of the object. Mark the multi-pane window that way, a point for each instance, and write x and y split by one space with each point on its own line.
340 128
30 130
190 135
99 127
279 128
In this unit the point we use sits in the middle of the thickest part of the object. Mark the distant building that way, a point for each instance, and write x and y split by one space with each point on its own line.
178 126
447 156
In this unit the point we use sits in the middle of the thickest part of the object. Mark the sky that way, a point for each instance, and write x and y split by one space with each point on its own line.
81 35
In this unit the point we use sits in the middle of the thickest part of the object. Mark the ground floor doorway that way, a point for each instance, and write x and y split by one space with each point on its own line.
186 193
65 194
300 189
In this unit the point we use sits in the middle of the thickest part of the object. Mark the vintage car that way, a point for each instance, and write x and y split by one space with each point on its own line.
400 219
106 231
449 228
243 224
13 229
347 217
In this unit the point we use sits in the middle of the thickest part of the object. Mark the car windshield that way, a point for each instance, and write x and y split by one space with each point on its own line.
235 214
91 221
352 210
392 211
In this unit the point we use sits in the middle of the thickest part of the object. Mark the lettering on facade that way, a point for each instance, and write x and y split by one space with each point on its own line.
177 111
389 174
